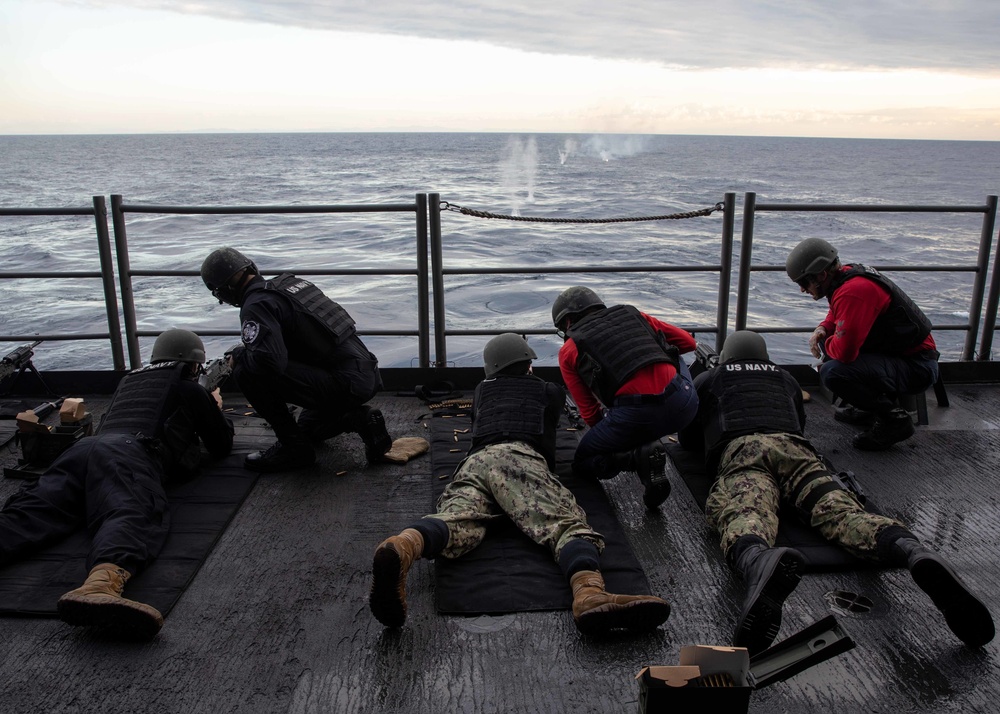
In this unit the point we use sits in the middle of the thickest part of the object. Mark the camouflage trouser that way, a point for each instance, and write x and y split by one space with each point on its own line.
758 472
511 479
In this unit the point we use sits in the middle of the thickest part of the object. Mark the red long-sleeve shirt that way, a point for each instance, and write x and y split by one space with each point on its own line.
652 379
854 307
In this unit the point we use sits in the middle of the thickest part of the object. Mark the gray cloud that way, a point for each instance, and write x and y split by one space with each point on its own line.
932 34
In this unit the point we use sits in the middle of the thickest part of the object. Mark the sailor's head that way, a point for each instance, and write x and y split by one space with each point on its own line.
811 265
571 304
176 345
744 344
226 272
506 354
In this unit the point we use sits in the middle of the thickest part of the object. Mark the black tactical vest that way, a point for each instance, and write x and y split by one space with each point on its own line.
748 397
144 399
613 345
311 299
513 408
901 327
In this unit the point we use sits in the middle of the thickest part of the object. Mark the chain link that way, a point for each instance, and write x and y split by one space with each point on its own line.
446 206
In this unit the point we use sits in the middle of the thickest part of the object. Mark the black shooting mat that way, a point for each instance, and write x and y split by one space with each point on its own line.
200 510
820 554
508 572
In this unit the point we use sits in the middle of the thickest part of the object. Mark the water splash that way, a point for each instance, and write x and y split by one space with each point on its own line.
518 172
570 147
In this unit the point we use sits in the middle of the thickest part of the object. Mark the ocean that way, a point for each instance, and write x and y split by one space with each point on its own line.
544 175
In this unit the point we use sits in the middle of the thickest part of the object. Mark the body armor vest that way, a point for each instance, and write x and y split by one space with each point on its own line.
143 400
749 397
614 344
901 327
311 299
512 408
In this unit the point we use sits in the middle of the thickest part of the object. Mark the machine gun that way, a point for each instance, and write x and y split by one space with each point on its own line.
705 358
216 370
17 361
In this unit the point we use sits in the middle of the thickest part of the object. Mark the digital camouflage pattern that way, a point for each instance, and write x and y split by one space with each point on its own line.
759 471
512 479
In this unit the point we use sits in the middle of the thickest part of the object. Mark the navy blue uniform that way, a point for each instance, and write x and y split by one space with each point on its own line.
290 354
112 483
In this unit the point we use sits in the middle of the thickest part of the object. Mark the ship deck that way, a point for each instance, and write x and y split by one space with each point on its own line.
277 620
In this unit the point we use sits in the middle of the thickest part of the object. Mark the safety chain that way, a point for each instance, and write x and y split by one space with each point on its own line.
446 206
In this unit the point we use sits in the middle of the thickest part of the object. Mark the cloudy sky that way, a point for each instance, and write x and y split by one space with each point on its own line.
924 69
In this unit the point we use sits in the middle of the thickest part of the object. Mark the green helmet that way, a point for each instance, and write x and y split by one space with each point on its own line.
573 301
219 268
178 346
811 256
504 350
744 344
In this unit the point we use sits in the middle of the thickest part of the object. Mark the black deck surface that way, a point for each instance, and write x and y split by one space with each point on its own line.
277 618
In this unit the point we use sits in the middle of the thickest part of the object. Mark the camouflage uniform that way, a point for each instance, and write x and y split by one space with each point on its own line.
510 479
759 471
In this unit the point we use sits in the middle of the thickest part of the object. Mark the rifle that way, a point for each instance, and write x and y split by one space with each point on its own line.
216 370
18 360
705 357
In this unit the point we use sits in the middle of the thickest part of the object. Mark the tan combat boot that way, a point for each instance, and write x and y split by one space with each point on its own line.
392 561
99 603
597 611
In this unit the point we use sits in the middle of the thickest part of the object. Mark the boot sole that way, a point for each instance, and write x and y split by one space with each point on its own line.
965 614
121 618
651 474
383 599
638 616
376 437
762 622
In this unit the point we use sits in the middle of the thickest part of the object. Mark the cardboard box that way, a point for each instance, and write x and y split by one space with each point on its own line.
721 679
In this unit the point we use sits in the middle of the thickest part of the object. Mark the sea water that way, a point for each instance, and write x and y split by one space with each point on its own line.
521 175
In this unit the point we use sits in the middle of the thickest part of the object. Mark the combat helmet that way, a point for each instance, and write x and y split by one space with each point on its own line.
504 350
176 345
809 257
572 301
219 268
744 344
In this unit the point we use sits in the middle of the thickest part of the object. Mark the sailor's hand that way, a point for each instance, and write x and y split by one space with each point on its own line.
816 340
217 396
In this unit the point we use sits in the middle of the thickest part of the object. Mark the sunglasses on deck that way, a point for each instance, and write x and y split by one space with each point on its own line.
805 281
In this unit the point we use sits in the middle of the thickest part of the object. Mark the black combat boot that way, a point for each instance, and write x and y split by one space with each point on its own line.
369 424
886 430
650 465
284 455
965 613
852 415
771 575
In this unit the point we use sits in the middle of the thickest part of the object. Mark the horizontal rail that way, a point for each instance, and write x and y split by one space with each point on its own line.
256 210
867 208
525 270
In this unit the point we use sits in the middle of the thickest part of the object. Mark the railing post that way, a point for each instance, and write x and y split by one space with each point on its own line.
990 322
746 252
125 280
726 272
423 285
437 277
108 282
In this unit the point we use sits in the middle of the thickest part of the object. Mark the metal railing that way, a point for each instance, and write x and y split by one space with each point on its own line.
430 271
114 334
989 210
126 272
441 332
